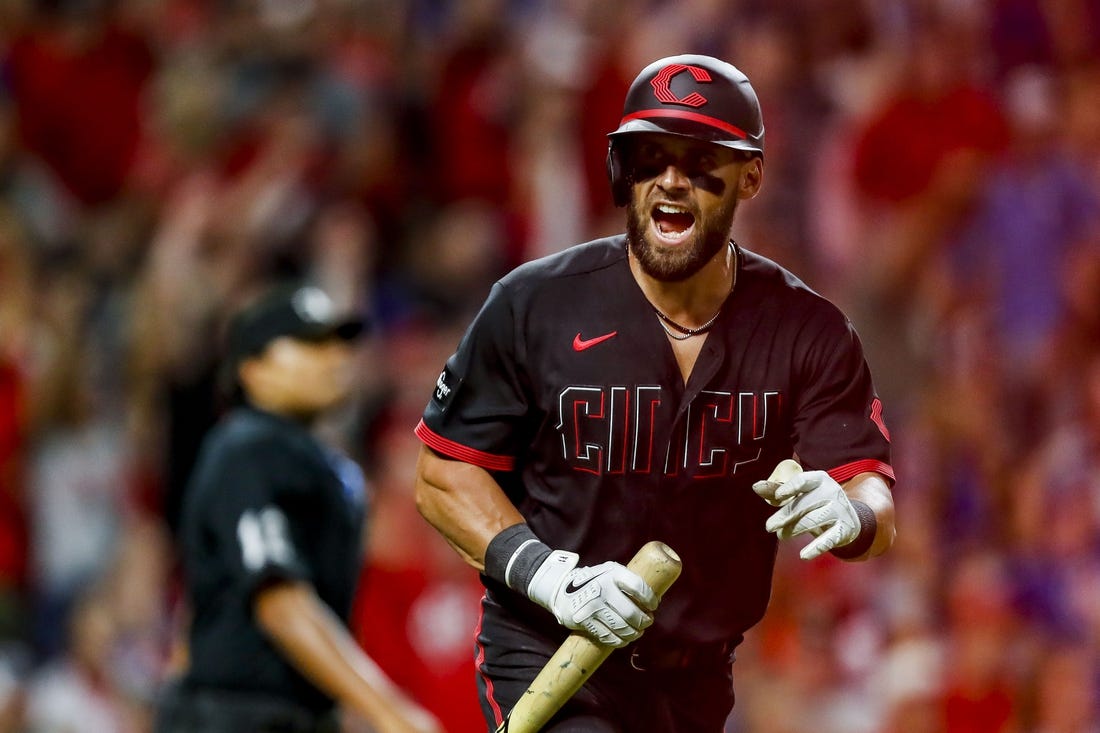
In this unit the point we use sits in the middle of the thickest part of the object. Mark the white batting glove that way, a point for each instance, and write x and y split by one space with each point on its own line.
811 502
609 602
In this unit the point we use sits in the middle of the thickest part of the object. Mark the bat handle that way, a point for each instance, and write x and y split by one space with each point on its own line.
578 656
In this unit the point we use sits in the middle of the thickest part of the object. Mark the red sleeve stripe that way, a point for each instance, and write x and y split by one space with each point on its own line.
849 470
451 449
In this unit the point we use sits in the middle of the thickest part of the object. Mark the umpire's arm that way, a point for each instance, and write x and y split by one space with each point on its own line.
464 503
315 641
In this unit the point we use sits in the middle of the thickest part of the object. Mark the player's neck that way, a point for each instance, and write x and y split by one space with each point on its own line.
694 301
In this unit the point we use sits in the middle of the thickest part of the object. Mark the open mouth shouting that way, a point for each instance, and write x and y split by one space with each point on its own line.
672 224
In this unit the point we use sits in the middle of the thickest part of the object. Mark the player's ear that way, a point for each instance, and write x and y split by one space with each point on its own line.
751 178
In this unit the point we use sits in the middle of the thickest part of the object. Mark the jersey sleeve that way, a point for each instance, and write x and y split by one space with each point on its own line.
480 398
838 423
247 523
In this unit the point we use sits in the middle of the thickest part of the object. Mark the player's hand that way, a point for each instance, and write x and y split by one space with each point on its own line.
810 502
610 603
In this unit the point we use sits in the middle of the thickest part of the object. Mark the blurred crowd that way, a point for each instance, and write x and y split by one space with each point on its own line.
933 166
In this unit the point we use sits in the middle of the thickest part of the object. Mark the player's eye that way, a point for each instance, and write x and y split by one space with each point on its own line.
704 162
648 161
698 162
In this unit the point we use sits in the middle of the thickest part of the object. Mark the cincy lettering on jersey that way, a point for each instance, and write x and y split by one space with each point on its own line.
613 430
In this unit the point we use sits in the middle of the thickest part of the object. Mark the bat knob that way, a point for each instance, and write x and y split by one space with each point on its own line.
786 469
657 564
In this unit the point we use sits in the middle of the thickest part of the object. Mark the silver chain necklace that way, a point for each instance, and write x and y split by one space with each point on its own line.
685 332
673 335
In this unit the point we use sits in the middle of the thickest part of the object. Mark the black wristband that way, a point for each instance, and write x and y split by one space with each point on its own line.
514 555
868 528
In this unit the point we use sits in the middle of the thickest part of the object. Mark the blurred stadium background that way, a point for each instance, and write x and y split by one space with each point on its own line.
932 165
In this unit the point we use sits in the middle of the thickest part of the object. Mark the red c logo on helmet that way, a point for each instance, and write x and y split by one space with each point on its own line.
664 93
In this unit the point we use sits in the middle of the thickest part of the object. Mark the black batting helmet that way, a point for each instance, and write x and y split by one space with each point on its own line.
692 96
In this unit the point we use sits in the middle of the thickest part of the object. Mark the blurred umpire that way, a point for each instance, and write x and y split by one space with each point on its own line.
271 542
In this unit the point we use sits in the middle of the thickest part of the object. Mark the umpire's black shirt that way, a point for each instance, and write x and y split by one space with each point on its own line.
266 501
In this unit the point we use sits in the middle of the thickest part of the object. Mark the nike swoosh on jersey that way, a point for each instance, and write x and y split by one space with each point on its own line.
580 344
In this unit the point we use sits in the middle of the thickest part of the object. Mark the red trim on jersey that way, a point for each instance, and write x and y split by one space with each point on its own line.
652 422
598 470
683 114
841 474
488 461
876 418
498 717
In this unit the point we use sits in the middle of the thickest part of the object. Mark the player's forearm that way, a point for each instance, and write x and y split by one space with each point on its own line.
871 488
464 503
319 646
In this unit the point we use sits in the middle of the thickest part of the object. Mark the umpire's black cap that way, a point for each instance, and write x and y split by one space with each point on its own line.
300 311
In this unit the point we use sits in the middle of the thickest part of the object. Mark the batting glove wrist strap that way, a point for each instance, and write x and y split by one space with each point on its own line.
514 555
549 577
868 528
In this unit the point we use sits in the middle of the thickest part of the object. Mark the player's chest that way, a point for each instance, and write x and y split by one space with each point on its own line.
605 350
686 352
627 409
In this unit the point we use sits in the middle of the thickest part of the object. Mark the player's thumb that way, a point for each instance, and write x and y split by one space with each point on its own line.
799 484
766 491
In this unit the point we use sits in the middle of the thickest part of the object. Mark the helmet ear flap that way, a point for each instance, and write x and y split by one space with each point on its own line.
620 186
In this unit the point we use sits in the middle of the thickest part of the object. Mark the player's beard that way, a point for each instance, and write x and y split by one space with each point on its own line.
667 264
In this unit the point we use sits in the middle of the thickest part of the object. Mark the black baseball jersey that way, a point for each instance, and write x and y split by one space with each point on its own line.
565 386
266 501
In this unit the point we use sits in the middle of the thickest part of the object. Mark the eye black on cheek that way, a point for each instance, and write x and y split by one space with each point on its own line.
709 183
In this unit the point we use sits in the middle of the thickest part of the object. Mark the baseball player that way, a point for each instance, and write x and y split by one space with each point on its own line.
641 387
271 537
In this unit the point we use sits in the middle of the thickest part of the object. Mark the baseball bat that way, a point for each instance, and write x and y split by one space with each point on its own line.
578 656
